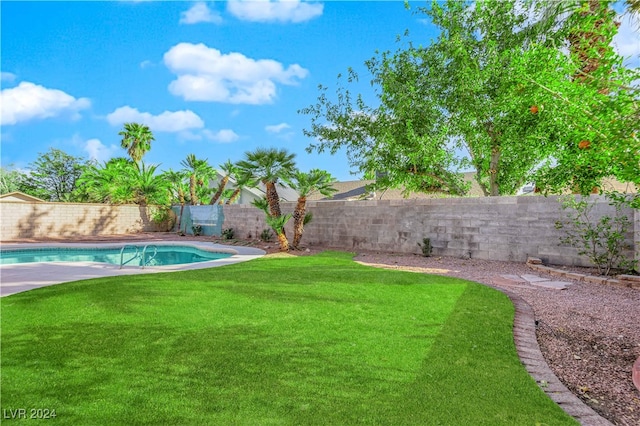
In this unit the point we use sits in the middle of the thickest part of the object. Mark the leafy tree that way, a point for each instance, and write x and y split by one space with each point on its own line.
199 172
306 184
10 180
136 139
121 181
595 113
494 86
269 166
54 175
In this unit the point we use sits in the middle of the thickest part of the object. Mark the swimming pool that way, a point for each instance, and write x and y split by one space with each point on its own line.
136 255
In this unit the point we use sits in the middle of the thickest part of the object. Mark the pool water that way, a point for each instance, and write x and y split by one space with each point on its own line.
165 255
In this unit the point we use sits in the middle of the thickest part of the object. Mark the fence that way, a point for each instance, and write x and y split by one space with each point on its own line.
496 228
23 220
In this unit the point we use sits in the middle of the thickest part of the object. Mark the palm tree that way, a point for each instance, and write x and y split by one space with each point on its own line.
149 187
177 188
197 170
242 180
136 139
226 195
109 183
228 168
269 166
277 224
306 184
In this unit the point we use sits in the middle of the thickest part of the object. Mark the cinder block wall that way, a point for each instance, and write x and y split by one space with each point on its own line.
41 220
496 228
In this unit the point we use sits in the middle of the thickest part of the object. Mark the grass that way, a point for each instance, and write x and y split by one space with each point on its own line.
292 340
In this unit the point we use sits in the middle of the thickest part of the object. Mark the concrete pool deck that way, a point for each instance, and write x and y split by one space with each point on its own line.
16 278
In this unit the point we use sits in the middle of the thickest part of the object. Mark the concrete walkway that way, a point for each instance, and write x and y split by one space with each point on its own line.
17 278
531 280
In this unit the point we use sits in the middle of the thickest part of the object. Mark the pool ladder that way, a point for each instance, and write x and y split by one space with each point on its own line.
138 255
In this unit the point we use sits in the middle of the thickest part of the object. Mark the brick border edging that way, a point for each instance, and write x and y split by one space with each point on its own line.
627 281
524 336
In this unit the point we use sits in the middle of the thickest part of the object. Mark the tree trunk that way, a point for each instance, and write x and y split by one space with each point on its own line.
234 196
494 188
273 199
282 240
298 220
218 193
192 189
591 46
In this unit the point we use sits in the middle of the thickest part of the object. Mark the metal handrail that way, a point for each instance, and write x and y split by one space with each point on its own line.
135 256
144 252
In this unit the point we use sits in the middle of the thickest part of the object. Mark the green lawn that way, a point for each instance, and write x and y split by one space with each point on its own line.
293 340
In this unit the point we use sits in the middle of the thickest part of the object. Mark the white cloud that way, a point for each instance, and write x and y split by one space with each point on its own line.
29 101
200 12
277 128
146 64
222 136
206 74
274 11
168 121
96 150
7 76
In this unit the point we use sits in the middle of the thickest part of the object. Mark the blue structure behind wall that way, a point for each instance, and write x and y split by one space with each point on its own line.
202 220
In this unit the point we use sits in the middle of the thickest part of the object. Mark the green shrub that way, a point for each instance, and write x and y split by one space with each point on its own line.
602 241
266 235
228 233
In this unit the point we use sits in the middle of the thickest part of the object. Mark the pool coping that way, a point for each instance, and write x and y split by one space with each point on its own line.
20 277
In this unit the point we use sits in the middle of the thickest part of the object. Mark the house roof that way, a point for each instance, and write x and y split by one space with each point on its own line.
356 190
20 196
285 192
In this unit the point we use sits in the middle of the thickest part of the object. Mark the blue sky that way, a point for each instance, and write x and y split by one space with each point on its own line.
211 78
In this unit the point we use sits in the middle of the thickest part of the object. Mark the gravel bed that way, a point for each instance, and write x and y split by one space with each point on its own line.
589 334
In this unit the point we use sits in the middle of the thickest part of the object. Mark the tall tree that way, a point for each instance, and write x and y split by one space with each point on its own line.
241 181
307 183
136 139
53 176
270 166
108 183
177 189
149 187
594 109
470 92
10 180
198 171
228 168
121 181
